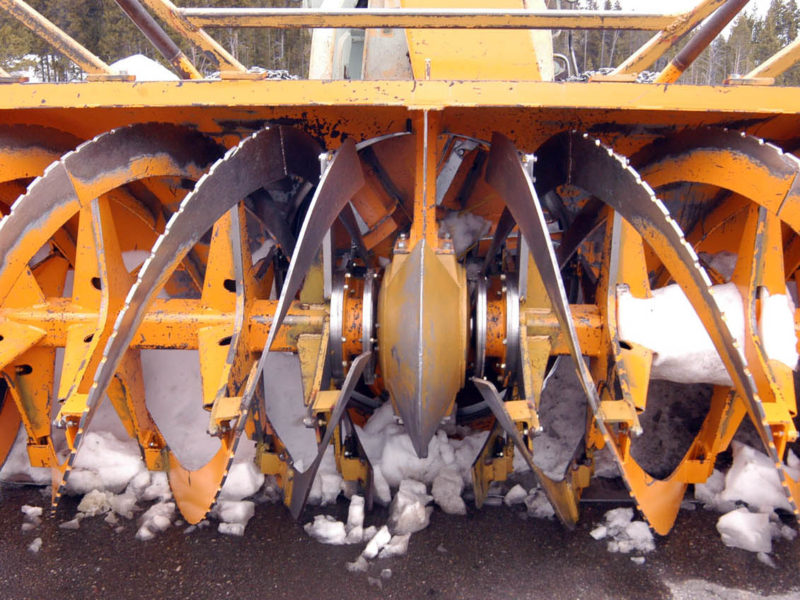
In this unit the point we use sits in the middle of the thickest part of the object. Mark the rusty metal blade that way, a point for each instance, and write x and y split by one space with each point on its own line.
264 157
588 164
506 174
560 493
301 482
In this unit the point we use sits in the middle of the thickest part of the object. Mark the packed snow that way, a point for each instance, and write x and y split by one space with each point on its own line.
749 495
683 352
624 534
143 68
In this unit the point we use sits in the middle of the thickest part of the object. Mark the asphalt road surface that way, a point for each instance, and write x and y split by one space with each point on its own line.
489 554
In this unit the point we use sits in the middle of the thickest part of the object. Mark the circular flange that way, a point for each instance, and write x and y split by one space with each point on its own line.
480 323
336 324
368 312
512 327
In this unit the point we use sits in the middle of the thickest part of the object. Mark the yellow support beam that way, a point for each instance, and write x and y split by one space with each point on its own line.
301 18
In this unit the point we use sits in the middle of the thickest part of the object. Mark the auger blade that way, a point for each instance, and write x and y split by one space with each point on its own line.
67 186
421 312
342 179
599 171
504 227
301 482
560 493
266 156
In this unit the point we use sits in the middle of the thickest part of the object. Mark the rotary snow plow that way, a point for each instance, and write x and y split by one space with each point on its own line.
434 232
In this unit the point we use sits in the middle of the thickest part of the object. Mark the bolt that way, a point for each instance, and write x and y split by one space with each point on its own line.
344 363
502 277
347 275
505 341
502 365
344 339
345 287
403 236
373 340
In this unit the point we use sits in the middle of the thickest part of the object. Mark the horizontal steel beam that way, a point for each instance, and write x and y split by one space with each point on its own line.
298 18
342 95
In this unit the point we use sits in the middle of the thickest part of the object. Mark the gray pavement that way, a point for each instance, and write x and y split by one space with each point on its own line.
490 554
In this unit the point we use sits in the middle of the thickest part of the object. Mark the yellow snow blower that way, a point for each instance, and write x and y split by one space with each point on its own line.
430 219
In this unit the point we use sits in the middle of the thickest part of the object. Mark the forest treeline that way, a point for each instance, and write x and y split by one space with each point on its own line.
104 29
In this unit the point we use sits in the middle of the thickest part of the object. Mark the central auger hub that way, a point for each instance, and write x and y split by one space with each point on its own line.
417 324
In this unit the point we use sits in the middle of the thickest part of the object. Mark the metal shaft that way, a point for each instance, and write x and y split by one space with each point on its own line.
700 41
158 37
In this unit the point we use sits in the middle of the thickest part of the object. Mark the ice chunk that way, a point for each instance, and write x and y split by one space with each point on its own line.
639 560
409 512
708 492
369 533
31 512
446 491
386 573
158 489
123 504
626 535
516 495
244 480
742 529
355 519
359 565
539 506
95 503
35 545
397 546
231 528
766 559
599 532
376 544
754 480
73 524
327 530
235 511
383 494
29 526
157 518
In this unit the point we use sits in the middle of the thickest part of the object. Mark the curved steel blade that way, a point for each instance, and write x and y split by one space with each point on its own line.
504 226
81 175
301 482
560 493
342 179
506 174
599 171
277 152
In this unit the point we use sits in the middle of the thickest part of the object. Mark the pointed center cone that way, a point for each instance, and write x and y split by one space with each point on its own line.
422 312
